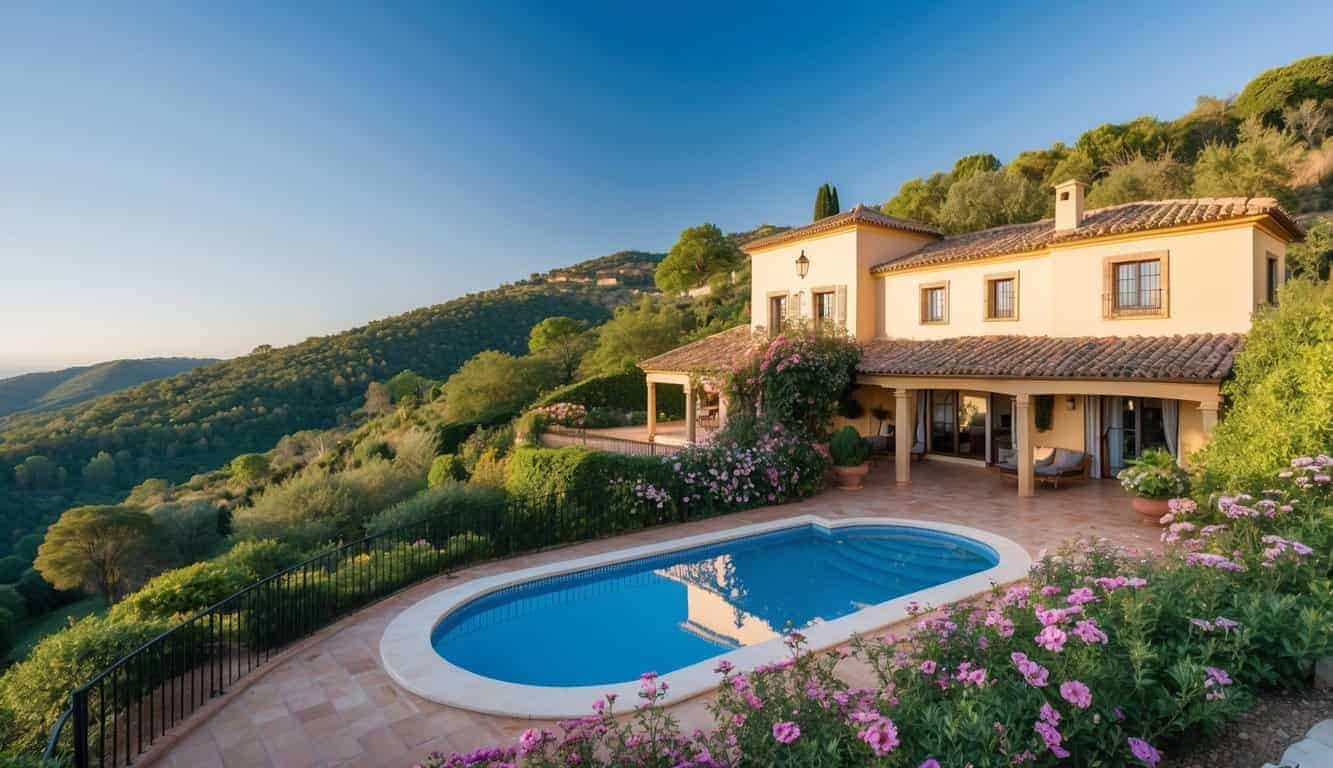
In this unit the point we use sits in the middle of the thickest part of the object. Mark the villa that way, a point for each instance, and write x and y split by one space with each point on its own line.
1101 332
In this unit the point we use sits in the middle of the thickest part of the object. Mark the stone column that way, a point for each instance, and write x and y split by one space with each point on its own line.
1208 413
652 410
691 410
902 436
1023 430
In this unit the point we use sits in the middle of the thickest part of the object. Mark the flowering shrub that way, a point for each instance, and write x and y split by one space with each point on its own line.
795 380
1105 656
1154 475
562 414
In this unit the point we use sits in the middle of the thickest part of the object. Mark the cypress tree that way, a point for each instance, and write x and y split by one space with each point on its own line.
822 201
833 201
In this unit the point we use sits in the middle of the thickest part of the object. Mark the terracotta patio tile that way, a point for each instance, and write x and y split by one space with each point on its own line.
323 709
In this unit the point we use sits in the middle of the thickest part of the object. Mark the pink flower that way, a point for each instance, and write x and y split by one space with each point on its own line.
1145 752
785 732
1051 638
1088 631
1035 674
930 763
928 667
1081 596
882 736
723 667
1051 735
1049 714
1076 693
530 740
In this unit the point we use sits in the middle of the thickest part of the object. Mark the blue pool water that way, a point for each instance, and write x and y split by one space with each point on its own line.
609 624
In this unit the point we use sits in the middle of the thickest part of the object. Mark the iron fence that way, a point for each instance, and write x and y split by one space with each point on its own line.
125 708
560 436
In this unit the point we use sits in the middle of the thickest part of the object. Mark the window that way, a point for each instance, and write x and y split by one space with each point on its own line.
1136 286
777 312
825 303
1001 297
1273 280
935 303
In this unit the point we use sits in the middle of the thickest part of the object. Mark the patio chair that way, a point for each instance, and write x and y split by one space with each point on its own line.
1051 466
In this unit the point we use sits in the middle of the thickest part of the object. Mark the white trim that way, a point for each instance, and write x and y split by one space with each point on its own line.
410 659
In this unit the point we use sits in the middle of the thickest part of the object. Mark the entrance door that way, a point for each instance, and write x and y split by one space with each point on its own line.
1001 425
958 423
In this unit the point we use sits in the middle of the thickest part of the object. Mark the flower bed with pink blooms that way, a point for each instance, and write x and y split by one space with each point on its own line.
1105 656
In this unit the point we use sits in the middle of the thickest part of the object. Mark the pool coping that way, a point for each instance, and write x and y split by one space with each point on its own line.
409 658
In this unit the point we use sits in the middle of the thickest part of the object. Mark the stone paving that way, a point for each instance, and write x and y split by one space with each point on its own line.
328 703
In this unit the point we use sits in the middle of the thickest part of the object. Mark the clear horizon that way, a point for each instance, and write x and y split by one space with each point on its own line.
196 181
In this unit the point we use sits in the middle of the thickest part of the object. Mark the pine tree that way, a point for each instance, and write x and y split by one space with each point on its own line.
822 201
833 207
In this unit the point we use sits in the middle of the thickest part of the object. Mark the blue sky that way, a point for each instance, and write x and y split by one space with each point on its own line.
196 180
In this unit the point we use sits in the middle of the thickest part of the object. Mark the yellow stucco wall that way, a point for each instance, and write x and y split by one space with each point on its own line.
1066 426
1214 278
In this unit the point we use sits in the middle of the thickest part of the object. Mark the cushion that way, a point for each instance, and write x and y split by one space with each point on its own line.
1006 456
1046 470
1065 459
1042 456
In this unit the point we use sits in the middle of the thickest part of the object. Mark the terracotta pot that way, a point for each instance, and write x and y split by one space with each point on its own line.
1151 510
851 478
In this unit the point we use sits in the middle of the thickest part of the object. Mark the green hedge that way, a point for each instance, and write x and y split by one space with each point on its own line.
452 434
626 391
537 473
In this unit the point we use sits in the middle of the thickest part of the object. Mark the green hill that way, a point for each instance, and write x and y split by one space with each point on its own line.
195 421
56 389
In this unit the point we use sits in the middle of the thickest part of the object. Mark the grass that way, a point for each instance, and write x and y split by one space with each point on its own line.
33 630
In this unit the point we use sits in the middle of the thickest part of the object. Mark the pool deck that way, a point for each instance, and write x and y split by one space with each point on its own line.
328 702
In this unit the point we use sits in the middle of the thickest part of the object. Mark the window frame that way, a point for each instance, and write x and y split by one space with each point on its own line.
775 325
1112 309
816 295
925 290
1272 278
987 294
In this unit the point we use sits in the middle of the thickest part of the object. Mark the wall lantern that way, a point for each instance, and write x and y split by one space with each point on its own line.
802 264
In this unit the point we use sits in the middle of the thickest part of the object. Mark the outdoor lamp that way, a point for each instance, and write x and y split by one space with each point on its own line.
802 264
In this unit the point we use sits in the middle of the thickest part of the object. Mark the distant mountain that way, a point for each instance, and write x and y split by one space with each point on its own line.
55 389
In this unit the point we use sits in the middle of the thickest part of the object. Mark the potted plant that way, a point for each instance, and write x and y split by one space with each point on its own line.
849 452
1154 479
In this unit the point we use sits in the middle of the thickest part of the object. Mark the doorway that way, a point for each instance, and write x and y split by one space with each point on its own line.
958 420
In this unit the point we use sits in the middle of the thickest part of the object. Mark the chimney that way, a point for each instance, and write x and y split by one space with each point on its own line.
1069 205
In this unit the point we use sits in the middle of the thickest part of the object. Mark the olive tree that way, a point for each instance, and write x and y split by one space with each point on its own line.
99 548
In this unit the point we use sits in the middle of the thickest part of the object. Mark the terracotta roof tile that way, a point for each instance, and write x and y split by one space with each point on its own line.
1205 357
711 354
1099 222
859 215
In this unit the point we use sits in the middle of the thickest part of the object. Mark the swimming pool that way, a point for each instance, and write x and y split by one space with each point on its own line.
547 641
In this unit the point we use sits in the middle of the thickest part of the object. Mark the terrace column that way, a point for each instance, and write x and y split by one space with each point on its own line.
691 410
721 409
652 409
1023 428
902 436
1208 412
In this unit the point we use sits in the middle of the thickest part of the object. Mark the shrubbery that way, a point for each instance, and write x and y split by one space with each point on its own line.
623 392
445 469
796 380
848 448
541 472
178 593
436 504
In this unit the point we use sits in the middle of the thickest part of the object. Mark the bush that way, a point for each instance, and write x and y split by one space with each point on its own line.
453 433
12 601
176 594
441 504
39 596
35 691
371 449
189 530
1154 475
627 391
1281 396
541 472
848 448
797 379
261 558
444 469
12 567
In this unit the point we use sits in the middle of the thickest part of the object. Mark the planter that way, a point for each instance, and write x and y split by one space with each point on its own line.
1151 510
851 478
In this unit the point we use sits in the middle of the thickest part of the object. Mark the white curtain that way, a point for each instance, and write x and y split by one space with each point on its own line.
1115 432
1092 430
1171 424
920 419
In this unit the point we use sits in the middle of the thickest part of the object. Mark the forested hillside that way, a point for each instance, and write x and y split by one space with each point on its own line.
1271 141
198 420
56 389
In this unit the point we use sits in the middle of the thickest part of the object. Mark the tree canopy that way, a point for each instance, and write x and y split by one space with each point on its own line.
699 254
826 201
562 339
98 548
493 381
635 333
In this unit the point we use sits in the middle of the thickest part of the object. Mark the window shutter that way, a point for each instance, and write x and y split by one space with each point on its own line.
840 305
1108 288
986 299
793 306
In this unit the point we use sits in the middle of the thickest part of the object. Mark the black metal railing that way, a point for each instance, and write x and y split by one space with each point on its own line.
125 708
1143 301
555 436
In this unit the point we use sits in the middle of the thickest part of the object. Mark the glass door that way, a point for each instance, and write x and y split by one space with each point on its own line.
972 425
1001 425
943 421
